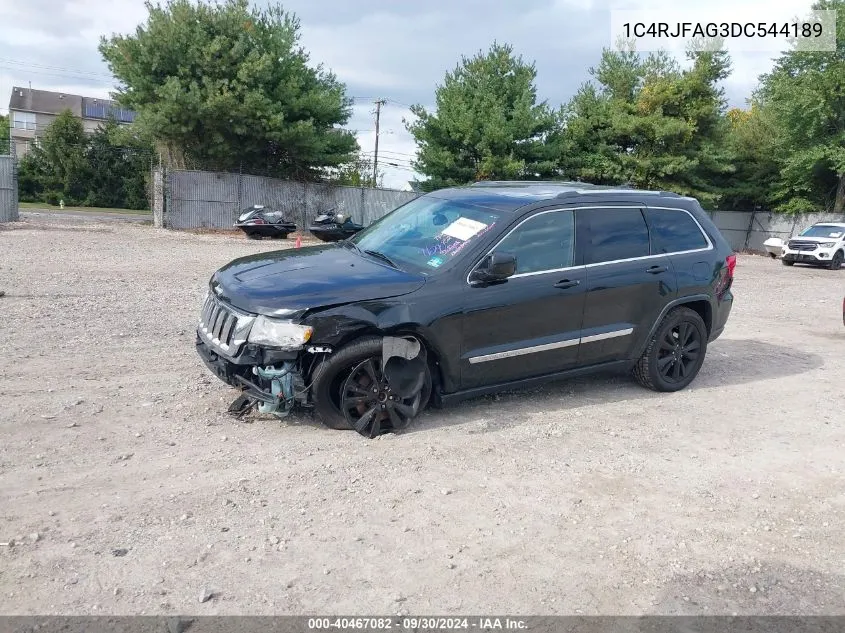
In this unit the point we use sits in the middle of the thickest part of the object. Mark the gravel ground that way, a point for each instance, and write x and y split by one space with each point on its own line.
125 488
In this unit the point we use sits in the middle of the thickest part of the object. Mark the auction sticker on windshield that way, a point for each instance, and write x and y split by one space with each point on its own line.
464 228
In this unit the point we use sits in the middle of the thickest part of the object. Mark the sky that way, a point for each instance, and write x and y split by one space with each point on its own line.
398 50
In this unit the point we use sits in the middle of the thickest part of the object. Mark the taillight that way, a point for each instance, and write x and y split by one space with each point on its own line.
730 262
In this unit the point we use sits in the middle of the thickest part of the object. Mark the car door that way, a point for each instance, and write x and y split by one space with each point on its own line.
528 325
627 283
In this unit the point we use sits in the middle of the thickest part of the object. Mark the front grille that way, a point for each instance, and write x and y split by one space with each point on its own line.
223 326
798 245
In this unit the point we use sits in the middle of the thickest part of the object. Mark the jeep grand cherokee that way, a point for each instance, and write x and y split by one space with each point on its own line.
467 291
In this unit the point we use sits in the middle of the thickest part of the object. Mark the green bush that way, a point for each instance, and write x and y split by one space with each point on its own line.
51 197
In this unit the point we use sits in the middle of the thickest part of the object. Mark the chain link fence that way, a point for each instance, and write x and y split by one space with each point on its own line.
747 230
184 199
8 184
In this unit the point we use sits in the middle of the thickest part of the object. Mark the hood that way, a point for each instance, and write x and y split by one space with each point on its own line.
800 238
309 277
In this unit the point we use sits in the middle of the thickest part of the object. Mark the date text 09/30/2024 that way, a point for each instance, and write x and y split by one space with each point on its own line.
417 623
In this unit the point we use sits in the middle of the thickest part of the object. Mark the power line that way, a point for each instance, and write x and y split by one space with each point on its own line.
75 71
401 168
396 155
50 73
396 159
404 105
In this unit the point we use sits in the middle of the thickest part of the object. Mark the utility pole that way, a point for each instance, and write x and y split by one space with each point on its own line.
379 103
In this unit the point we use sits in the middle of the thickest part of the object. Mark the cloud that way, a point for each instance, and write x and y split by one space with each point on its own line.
379 48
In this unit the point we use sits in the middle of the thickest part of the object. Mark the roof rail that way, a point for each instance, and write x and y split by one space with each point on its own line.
524 183
568 194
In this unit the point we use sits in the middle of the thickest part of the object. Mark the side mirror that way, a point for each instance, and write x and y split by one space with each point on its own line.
496 267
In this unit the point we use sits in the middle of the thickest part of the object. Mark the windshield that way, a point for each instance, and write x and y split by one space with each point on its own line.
823 230
426 233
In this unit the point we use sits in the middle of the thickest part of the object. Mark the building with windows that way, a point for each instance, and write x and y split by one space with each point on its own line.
31 111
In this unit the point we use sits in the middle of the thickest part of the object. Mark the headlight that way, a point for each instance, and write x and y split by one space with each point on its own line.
276 333
828 245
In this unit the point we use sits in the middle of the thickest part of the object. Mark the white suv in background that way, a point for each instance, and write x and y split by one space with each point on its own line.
822 244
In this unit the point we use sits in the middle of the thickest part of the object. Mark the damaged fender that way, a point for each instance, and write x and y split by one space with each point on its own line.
404 360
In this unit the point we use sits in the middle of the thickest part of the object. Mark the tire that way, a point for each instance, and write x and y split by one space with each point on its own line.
331 374
787 262
836 262
650 368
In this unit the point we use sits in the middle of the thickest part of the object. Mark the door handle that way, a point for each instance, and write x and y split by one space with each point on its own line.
567 283
654 270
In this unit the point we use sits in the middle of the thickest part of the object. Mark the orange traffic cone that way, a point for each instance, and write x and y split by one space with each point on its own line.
298 241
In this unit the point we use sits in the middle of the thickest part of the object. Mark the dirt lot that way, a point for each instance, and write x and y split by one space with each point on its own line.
125 487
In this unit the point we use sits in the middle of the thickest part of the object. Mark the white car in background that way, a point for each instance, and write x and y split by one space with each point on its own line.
822 244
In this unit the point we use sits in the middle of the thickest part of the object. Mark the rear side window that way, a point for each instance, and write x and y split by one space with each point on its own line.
616 234
673 231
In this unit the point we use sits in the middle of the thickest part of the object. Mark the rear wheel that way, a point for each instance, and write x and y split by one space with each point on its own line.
351 392
836 262
675 353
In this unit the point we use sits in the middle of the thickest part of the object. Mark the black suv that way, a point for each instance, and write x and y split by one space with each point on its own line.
470 290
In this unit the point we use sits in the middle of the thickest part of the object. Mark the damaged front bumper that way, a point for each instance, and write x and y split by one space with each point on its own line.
271 380
234 345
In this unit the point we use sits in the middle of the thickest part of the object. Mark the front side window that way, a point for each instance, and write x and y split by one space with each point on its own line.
544 242
673 231
427 233
616 233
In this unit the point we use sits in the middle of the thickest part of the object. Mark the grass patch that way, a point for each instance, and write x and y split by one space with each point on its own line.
41 206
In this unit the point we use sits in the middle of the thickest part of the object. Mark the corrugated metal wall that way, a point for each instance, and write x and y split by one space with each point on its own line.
8 189
198 199
749 229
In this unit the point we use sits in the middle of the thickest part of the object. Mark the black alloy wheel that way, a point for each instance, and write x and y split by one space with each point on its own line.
678 352
675 353
369 403
343 379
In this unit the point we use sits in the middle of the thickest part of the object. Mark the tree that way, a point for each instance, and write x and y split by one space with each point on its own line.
4 134
648 123
59 162
356 173
805 95
110 168
229 87
751 143
487 124
119 165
